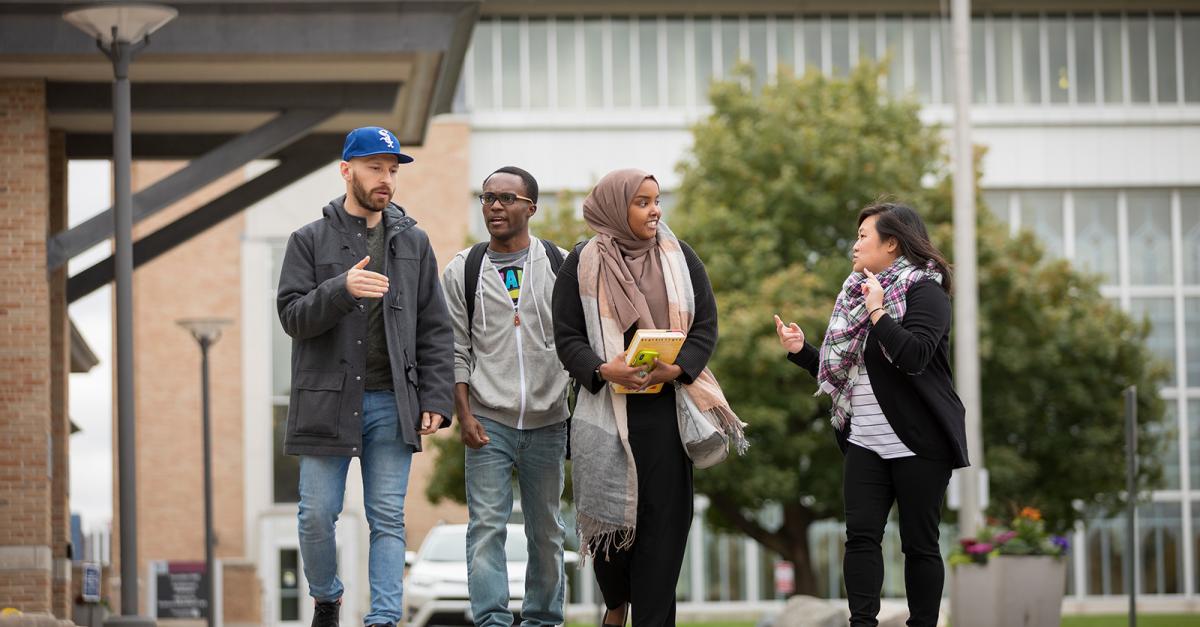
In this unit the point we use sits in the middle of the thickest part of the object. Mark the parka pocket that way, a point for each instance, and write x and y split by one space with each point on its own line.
318 402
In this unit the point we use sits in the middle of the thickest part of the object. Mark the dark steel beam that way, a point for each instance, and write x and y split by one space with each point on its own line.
294 166
258 143
72 97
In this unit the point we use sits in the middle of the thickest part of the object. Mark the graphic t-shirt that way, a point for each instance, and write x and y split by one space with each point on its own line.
512 270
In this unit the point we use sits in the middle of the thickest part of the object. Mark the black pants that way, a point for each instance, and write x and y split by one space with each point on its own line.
645 575
870 485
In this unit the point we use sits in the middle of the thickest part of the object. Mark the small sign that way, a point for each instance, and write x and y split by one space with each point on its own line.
180 590
91 582
785 578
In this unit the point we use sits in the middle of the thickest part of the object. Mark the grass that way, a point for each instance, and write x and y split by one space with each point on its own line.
1143 620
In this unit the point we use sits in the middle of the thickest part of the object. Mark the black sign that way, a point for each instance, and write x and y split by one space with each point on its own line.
181 591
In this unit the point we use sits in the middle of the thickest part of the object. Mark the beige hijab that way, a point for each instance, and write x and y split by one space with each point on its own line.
631 269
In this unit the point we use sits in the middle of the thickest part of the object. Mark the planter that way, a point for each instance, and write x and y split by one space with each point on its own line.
1009 591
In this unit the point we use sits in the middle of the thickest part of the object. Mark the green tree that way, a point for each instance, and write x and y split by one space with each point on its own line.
769 198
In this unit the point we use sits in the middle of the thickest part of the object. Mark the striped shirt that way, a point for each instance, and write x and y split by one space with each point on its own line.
869 428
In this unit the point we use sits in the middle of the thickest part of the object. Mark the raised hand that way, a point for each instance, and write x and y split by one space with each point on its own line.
873 291
362 283
790 335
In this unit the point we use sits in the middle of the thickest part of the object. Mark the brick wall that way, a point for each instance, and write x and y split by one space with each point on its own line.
60 368
242 592
25 486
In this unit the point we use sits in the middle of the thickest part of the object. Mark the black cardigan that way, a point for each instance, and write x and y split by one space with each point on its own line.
570 325
915 389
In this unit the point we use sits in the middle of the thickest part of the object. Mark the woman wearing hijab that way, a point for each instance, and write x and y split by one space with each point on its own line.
632 478
885 362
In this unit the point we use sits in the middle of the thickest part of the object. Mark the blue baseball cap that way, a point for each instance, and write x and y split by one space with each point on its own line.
372 140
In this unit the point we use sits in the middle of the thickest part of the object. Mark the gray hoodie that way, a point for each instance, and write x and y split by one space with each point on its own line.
513 371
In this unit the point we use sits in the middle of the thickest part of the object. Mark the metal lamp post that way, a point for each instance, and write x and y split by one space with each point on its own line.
120 31
206 332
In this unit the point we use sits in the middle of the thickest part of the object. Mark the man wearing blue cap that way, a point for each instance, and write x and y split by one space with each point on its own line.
372 367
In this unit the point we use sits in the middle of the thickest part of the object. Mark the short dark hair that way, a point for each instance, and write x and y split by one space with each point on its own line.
531 188
894 220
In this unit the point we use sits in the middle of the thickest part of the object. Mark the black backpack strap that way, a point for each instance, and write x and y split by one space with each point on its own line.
471 279
554 255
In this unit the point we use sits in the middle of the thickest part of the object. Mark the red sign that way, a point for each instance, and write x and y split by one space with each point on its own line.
785 578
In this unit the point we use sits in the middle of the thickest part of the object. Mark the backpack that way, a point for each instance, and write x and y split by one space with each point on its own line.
471 284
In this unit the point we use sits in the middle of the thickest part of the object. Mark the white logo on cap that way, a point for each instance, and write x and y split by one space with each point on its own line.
386 138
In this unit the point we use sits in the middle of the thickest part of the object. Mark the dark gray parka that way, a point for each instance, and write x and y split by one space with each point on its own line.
329 331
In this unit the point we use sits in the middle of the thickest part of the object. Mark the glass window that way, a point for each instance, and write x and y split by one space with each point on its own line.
731 45
1161 342
1191 63
1189 201
978 64
1191 334
622 62
1031 60
1096 234
286 468
1160 539
539 72
510 64
676 69
593 63
867 48
757 30
483 89
564 44
1168 453
289 585
839 40
1164 58
997 203
1150 238
1056 56
1042 213
648 61
1139 58
893 30
1002 44
1085 59
703 31
1110 59
785 45
1193 415
811 31
1106 555
922 45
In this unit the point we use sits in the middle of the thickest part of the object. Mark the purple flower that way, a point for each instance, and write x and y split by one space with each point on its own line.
1005 537
979 548
1062 543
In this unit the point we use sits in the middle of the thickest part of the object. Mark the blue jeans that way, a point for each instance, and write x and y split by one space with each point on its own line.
537 455
385 463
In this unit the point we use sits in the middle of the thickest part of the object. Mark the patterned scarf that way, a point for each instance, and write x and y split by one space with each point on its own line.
842 349
603 470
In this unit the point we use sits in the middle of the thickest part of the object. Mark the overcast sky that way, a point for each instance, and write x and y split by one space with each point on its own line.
90 192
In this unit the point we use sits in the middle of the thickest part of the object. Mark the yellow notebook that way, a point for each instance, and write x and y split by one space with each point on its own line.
665 343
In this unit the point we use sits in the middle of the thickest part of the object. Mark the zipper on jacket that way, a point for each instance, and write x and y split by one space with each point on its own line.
519 335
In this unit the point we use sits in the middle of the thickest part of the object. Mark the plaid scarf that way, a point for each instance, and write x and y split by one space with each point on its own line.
603 471
842 348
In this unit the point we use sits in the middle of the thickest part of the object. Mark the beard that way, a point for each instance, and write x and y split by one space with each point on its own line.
366 199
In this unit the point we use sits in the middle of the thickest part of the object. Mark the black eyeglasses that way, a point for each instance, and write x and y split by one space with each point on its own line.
505 198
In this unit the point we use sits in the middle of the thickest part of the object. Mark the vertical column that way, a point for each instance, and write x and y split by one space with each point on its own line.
25 485
60 369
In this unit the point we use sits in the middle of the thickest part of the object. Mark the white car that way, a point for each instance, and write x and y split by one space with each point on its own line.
435 589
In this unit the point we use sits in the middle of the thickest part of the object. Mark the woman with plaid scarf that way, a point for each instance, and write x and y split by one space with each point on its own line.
885 363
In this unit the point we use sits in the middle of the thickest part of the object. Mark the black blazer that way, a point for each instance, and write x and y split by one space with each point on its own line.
915 389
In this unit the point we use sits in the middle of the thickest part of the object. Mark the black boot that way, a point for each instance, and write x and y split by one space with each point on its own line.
326 613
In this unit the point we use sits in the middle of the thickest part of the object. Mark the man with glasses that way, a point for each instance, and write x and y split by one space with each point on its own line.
510 398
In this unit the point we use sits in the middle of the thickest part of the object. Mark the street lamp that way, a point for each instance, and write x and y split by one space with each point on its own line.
120 31
206 332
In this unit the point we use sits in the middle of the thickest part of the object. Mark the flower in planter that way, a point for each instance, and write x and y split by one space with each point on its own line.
1026 535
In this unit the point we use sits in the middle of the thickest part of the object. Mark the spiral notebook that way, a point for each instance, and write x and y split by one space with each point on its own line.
666 342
